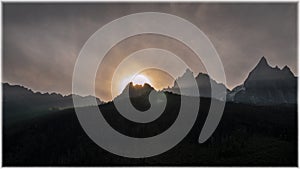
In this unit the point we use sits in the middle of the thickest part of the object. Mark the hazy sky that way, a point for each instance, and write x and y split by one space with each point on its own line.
42 41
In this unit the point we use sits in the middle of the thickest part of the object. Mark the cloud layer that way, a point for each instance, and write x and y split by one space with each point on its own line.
42 41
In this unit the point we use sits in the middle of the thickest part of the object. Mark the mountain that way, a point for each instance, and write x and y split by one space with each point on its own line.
204 83
21 103
266 85
247 135
138 95
137 90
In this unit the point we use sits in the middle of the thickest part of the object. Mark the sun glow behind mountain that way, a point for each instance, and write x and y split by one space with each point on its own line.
138 79
156 78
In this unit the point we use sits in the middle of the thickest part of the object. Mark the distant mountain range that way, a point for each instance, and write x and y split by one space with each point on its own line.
204 83
258 126
20 103
264 85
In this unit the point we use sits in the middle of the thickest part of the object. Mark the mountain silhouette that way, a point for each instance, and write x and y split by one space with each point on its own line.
138 90
258 126
248 135
138 95
204 82
266 85
21 103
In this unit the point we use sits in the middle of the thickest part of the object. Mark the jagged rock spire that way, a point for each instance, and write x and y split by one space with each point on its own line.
262 62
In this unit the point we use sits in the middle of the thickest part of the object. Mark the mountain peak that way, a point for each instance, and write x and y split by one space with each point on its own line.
263 62
137 86
188 72
263 71
286 68
136 90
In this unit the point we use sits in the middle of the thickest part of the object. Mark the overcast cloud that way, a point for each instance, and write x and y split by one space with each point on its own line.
42 41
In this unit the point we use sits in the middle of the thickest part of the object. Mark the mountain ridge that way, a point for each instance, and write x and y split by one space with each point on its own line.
22 103
266 85
261 76
204 83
